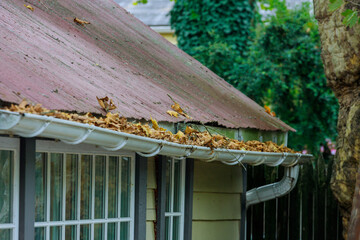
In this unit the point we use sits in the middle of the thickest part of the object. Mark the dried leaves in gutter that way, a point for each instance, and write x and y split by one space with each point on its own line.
114 121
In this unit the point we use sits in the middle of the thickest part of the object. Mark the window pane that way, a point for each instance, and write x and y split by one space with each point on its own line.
56 163
70 232
6 159
112 231
5 234
113 190
100 163
85 232
168 187
176 227
167 228
86 173
99 231
125 187
40 187
39 233
55 233
177 182
124 231
71 186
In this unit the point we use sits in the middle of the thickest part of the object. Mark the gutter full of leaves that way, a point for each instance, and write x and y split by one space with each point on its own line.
113 121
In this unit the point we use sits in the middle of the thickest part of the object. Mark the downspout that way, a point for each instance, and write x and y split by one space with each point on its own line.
274 190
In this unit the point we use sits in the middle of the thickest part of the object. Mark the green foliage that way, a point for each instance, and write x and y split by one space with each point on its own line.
214 32
284 70
335 4
276 64
350 16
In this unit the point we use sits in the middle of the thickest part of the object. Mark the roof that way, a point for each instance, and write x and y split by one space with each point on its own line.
49 59
153 13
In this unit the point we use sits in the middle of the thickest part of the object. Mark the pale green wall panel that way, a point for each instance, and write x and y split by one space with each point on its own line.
150 205
150 233
216 206
221 230
151 178
217 177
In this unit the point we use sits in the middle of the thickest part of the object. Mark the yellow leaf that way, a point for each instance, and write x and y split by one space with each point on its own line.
179 134
177 108
154 123
29 7
267 109
172 113
189 130
81 22
23 104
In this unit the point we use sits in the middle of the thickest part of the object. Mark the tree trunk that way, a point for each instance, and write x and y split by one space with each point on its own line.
341 57
354 225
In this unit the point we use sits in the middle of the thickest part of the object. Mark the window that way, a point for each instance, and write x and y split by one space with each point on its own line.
9 187
174 211
83 196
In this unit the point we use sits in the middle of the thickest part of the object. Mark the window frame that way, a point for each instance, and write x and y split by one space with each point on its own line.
13 144
181 213
49 147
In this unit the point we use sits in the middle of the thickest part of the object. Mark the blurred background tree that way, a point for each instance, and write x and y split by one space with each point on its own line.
275 60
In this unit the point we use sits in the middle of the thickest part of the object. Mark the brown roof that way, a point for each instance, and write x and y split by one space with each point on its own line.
48 58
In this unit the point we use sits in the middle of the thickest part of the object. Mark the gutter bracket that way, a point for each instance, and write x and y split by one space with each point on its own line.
153 153
189 151
236 160
119 146
37 131
81 138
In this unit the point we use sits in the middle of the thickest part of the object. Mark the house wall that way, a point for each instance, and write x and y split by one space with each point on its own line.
217 205
170 36
150 200
216 201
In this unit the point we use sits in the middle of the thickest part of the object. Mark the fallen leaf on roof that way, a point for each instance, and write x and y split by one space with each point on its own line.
81 22
176 107
268 111
172 113
29 7
106 103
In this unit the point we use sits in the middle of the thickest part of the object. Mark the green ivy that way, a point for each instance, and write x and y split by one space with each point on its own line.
284 70
214 32
276 63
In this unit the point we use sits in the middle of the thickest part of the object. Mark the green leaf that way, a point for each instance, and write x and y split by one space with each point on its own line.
347 12
351 18
336 4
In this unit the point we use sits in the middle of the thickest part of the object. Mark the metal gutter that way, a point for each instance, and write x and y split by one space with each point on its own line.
274 190
30 125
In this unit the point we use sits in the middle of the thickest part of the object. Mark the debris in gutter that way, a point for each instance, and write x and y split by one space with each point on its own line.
114 121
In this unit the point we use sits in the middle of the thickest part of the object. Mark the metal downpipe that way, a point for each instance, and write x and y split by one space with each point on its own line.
274 190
